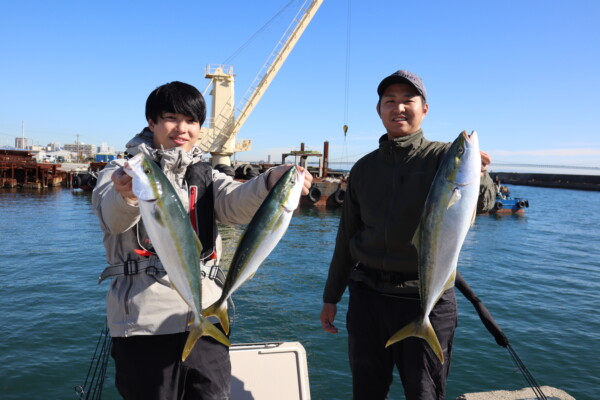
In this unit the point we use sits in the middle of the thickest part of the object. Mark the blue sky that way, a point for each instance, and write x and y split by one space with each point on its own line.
523 74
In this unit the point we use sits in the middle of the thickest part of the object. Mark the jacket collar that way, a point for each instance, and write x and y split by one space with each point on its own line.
175 160
407 145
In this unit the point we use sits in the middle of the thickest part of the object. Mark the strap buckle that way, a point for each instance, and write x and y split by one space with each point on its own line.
130 267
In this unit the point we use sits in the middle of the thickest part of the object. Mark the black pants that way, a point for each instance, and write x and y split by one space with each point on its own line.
372 319
150 368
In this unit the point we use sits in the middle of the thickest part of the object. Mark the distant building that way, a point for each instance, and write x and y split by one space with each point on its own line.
21 143
87 150
53 146
104 148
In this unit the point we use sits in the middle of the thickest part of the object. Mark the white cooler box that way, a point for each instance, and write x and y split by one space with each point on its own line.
269 371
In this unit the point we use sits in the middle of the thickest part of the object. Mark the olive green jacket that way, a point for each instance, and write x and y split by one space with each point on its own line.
382 208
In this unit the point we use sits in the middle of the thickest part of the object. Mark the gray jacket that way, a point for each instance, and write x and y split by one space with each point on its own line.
144 303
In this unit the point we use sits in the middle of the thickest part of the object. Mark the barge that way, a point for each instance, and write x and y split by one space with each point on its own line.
18 168
328 187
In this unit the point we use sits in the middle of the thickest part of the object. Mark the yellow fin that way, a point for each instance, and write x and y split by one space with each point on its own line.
194 335
450 283
209 329
416 240
198 245
424 331
204 329
219 310
454 197
473 217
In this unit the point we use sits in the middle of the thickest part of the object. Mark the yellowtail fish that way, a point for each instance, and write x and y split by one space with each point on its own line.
447 216
176 244
260 237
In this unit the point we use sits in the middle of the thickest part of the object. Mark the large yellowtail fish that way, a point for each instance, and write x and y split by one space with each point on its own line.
447 216
176 244
260 237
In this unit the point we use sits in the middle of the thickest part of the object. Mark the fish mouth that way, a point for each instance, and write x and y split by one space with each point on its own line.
467 136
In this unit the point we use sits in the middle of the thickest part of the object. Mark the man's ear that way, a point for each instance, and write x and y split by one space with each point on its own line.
151 125
377 107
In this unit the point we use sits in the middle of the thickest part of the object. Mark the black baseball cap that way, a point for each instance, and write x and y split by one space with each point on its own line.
402 76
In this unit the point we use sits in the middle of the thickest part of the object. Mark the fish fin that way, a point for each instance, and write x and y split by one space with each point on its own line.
424 331
450 283
157 215
279 221
198 245
209 329
454 197
194 335
219 310
204 328
416 240
473 217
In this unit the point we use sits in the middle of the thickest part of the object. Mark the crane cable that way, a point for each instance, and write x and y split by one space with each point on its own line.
344 157
255 35
347 72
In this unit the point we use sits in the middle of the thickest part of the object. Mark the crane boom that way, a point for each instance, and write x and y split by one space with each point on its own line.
219 138
276 60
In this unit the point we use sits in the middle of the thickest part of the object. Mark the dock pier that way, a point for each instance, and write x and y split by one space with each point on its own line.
562 181
18 168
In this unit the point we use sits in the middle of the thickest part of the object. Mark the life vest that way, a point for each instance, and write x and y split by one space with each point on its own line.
202 205
198 177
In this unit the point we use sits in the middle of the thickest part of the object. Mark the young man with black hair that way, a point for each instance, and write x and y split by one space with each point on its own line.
147 318
375 258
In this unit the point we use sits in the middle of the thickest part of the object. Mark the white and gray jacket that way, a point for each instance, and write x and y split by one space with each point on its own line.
144 303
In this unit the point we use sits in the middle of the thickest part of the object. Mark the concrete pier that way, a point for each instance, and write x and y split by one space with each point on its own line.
523 394
563 181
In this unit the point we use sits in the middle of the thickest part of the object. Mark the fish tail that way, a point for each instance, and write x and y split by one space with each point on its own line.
209 329
220 311
193 336
422 330
205 328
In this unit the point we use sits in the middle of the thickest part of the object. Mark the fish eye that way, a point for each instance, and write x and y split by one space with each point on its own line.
460 150
147 171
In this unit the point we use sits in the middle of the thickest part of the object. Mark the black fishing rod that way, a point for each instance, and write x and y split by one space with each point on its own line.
497 333
94 381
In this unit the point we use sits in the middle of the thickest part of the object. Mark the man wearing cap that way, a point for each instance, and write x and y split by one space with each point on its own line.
375 258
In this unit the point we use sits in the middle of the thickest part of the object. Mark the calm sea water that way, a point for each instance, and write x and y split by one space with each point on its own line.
538 274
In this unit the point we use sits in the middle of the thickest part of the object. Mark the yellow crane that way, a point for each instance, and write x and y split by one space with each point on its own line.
219 137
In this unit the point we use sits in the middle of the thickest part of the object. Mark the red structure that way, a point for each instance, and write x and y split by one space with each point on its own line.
18 168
